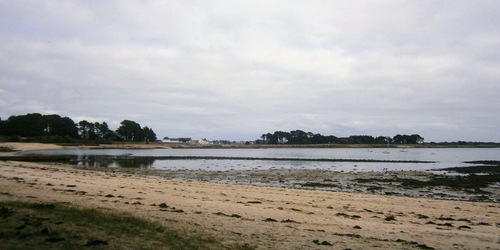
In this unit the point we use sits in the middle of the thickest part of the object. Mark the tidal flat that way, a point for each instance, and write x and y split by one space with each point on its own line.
236 215
440 184
271 208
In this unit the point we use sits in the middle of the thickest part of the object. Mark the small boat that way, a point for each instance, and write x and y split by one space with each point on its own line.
405 147
387 150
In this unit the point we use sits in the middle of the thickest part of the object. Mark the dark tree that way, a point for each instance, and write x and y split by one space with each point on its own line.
130 131
301 137
37 125
56 125
86 130
408 139
281 136
381 139
29 125
103 132
271 139
54 128
361 139
264 138
416 139
319 139
298 137
96 132
149 134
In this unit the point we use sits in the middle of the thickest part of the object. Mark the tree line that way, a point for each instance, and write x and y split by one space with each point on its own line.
54 128
301 137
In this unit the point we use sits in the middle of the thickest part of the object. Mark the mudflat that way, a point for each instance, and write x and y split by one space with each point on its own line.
263 217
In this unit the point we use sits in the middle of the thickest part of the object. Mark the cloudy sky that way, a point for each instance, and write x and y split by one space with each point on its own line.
237 69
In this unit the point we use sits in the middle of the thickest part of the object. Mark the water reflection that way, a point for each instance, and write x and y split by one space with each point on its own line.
134 163
363 160
113 162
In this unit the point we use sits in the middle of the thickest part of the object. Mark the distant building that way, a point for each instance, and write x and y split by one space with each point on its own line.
204 141
176 140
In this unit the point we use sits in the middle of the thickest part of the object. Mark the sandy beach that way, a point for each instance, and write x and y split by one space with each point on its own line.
264 217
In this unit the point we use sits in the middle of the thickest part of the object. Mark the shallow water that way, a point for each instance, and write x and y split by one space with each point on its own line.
145 158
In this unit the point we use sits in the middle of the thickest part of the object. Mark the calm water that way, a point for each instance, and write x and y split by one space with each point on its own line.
443 158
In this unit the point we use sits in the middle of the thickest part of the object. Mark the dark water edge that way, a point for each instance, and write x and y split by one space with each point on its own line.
480 167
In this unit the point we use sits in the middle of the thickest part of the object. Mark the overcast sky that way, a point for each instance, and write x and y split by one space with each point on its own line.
237 69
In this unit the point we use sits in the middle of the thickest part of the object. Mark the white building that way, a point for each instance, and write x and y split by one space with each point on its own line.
204 141
176 140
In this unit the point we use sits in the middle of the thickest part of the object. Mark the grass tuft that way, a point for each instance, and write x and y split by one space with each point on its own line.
390 217
58 226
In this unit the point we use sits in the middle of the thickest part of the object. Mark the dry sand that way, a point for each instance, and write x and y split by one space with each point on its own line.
265 217
20 146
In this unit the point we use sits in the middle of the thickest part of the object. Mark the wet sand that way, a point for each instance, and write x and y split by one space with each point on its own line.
264 217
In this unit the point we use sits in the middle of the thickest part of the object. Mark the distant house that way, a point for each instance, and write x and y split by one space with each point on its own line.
204 141
176 140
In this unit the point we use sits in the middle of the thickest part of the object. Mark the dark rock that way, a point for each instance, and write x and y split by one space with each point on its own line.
91 243
322 243
289 221
348 235
55 239
390 217
446 218
483 224
422 216
446 225
233 215
46 231
423 246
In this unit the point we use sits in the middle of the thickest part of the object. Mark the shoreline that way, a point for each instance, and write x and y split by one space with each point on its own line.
250 207
264 217
26 146
477 183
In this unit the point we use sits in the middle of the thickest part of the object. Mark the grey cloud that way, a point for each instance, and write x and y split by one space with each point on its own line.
235 70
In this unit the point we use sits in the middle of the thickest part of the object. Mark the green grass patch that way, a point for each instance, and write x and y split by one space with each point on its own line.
57 226
6 149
